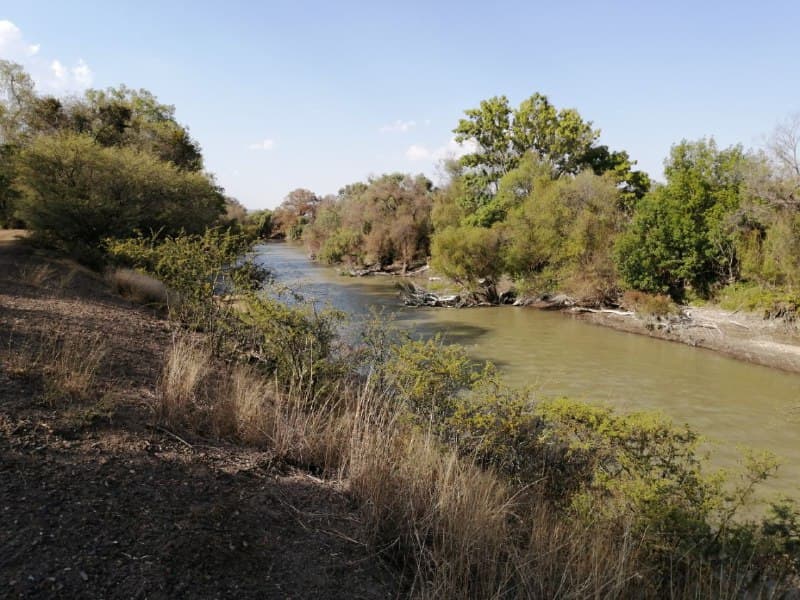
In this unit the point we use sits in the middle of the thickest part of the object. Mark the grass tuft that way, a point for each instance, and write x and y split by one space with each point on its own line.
138 287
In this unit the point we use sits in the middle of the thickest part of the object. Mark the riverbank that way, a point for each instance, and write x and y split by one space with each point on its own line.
743 336
749 337
101 501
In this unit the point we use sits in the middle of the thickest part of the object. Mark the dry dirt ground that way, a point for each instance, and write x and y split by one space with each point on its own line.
96 502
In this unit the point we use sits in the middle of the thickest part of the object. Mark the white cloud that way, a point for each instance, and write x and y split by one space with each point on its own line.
10 35
451 150
263 145
82 74
50 74
59 70
416 153
398 126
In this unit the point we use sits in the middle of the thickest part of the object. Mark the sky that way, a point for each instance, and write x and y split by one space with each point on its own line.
292 94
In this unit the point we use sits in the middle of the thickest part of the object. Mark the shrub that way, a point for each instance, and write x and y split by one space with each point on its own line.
75 193
67 364
772 303
649 305
197 268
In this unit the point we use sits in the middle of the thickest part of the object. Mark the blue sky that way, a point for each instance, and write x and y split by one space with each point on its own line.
319 94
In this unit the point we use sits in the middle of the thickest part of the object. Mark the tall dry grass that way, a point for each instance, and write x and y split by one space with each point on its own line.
66 362
455 529
138 287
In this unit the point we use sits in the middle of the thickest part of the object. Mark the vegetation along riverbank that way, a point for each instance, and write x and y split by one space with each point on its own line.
173 424
537 207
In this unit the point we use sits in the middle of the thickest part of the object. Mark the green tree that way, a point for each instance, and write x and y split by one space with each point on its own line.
561 139
468 254
680 236
125 117
16 97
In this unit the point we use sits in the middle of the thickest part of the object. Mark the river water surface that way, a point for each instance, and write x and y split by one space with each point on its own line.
733 403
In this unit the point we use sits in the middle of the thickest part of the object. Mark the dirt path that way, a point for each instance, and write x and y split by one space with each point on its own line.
95 502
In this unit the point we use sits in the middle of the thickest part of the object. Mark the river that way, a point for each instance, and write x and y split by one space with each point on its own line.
732 403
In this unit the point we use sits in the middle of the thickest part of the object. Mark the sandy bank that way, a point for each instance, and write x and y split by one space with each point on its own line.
744 336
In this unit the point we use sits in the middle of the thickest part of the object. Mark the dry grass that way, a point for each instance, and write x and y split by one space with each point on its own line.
36 275
455 529
187 364
138 287
649 305
67 364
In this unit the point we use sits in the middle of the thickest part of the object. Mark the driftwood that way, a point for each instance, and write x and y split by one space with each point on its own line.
377 269
610 311
414 295
547 302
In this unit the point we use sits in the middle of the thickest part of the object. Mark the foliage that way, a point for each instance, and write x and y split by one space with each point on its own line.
382 222
771 302
502 136
195 267
427 375
558 236
468 254
297 209
151 167
679 237
74 191
294 342
499 427
649 305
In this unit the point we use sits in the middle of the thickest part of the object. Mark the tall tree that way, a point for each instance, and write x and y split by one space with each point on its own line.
502 136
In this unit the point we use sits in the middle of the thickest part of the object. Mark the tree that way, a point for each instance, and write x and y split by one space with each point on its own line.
559 138
469 254
125 117
296 210
16 96
680 236
385 221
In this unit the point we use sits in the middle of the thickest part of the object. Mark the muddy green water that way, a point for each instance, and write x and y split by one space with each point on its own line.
733 403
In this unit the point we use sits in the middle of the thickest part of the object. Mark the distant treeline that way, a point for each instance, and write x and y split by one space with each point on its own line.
539 200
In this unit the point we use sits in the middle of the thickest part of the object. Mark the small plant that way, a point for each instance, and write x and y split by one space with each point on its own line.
772 303
649 305
72 366
66 363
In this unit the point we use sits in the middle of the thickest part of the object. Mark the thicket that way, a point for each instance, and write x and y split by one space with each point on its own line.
382 222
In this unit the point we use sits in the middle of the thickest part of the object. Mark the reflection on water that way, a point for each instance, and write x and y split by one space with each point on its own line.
733 403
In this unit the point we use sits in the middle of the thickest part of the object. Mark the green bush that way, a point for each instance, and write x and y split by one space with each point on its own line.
198 268
75 192
772 303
